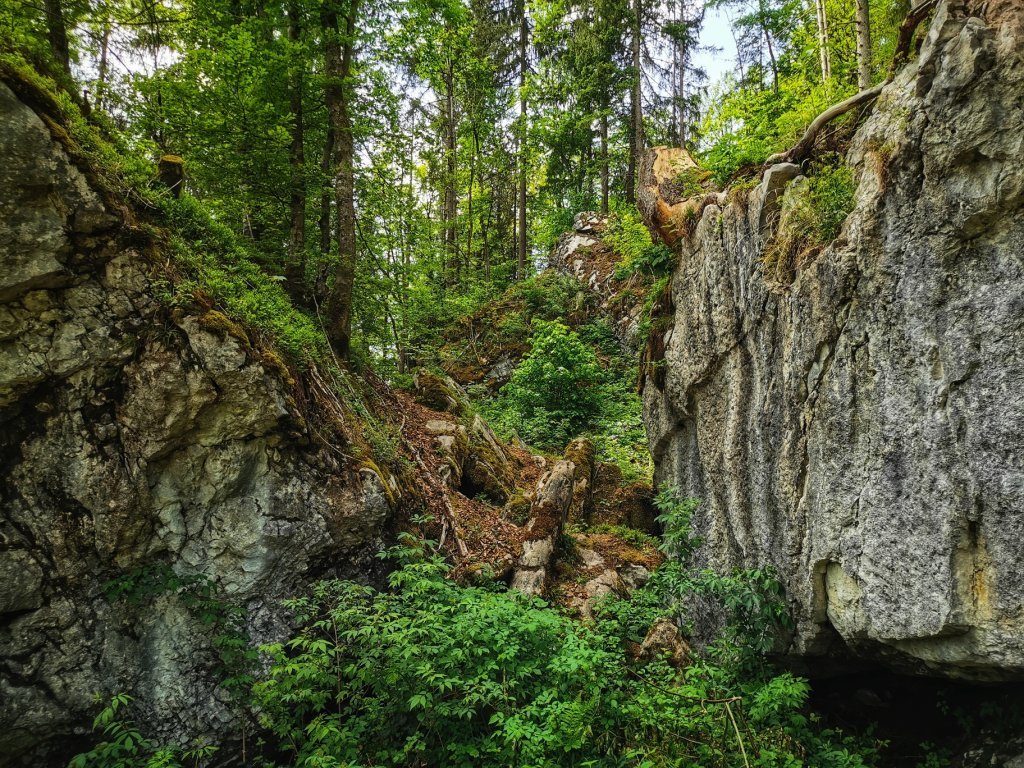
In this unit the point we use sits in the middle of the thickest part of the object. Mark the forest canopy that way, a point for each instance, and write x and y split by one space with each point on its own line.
394 165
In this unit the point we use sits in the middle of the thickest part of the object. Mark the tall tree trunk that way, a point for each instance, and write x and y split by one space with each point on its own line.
104 68
451 200
681 93
339 49
823 53
636 117
604 162
521 244
863 45
469 201
771 58
296 269
326 163
57 33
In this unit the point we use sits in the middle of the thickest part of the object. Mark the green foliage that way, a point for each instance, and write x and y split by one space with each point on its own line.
752 599
555 392
216 263
768 105
832 193
432 673
629 237
124 746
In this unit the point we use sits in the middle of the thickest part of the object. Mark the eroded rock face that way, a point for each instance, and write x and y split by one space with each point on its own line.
861 428
127 438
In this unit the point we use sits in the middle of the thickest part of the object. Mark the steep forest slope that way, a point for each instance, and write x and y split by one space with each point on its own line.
168 475
853 418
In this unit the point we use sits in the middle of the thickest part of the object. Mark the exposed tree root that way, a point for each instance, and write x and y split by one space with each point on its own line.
803 148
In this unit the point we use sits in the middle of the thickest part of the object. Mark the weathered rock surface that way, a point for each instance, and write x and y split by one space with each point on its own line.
547 518
127 438
584 256
861 428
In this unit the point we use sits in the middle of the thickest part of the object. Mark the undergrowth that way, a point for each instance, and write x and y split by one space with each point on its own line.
572 383
428 672
215 263
629 237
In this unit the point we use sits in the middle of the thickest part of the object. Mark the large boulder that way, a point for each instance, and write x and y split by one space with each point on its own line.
133 439
860 429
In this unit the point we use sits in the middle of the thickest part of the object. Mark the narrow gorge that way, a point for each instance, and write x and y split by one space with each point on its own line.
190 462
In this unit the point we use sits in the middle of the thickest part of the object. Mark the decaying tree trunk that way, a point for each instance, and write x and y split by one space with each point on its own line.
906 33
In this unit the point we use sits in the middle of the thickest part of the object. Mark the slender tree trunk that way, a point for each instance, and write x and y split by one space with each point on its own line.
771 57
57 33
863 45
681 94
636 117
296 269
469 202
339 49
104 68
521 244
326 162
451 210
604 162
823 53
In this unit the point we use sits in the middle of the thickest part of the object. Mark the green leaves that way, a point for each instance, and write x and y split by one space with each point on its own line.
556 390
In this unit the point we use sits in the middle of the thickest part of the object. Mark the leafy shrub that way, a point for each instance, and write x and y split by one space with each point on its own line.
629 237
432 673
555 391
428 672
125 746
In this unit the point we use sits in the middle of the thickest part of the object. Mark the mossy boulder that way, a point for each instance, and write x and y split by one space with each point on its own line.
439 392
487 471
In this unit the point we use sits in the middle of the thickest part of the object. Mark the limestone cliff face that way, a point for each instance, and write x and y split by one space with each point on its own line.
861 428
128 437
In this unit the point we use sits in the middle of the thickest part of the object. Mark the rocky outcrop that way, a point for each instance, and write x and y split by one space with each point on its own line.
128 437
475 461
583 255
859 429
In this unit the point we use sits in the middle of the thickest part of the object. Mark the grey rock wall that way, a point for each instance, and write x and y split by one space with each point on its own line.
862 429
128 438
